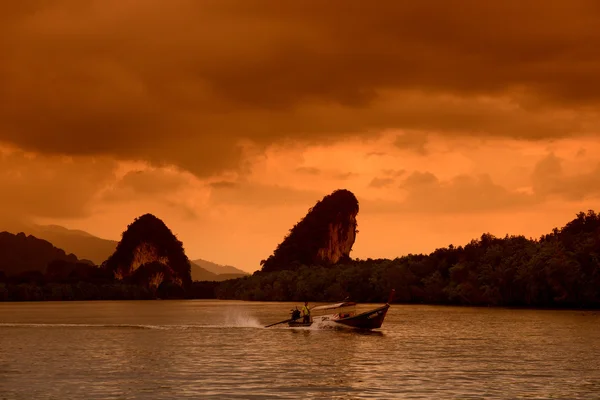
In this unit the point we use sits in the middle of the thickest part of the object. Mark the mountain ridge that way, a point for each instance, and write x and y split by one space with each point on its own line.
218 269
23 253
83 244
86 246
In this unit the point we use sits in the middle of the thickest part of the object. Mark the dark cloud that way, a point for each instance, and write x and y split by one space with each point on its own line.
186 82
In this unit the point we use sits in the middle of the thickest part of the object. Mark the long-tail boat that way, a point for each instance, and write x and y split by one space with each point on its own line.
343 313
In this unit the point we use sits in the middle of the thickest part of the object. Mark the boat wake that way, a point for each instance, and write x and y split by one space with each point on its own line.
234 318
240 324
45 325
230 319
316 326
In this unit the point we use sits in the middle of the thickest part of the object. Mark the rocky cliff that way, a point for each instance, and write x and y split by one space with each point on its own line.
149 254
324 236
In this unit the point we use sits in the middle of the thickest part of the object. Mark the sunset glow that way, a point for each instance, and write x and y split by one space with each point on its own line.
229 121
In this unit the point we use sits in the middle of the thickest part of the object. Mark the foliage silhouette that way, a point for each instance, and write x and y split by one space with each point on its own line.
561 269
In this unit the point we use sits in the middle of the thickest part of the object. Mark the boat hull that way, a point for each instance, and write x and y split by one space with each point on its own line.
372 319
368 320
296 324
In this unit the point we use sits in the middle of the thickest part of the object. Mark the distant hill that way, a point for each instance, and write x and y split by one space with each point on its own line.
83 244
201 273
225 277
218 269
89 247
20 253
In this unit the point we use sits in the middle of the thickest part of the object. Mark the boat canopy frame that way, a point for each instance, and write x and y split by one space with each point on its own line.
333 306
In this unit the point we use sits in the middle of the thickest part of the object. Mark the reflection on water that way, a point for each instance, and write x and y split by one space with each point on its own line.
212 349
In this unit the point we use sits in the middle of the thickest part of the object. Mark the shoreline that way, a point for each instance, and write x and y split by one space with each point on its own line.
508 308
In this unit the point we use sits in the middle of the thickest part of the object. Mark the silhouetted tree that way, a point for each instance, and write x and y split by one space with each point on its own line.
561 269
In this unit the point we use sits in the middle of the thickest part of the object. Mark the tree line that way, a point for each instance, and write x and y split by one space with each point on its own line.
560 269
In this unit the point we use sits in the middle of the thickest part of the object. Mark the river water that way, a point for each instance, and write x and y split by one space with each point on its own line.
219 349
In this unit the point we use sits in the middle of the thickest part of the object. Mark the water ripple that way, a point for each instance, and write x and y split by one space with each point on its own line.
208 349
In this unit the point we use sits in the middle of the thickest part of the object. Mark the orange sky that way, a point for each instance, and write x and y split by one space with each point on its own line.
229 119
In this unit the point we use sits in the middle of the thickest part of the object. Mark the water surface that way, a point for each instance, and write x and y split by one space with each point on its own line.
219 349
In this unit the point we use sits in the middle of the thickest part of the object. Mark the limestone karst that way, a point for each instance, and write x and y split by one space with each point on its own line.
149 254
324 236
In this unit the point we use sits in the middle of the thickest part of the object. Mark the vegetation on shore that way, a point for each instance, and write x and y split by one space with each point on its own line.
561 269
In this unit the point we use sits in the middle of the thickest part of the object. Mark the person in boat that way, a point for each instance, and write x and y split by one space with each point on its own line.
295 314
306 312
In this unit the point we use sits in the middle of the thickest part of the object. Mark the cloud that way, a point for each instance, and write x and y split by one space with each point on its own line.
345 175
462 193
309 170
376 154
223 185
412 141
152 182
52 187
394 172
381 182
420 179
550 180
425 193
547 174
161 190
173 83
254 195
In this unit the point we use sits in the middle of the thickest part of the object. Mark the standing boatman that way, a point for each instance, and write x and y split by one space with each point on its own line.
306 313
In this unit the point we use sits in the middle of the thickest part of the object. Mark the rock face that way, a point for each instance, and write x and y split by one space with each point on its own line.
324 237
149 254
